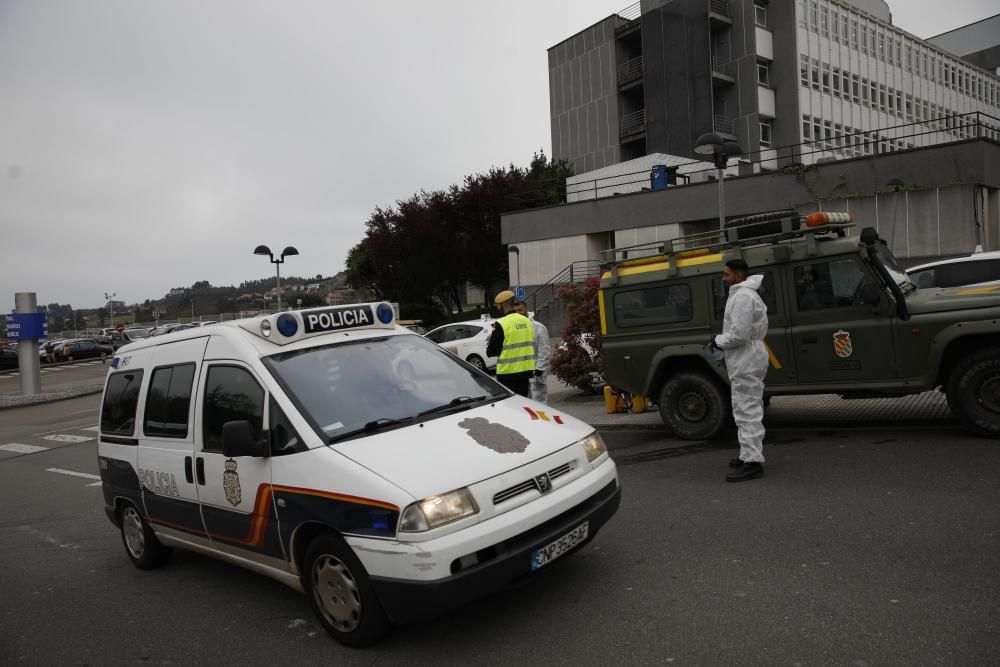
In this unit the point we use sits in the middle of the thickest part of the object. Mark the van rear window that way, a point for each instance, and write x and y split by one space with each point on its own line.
664 304
121 399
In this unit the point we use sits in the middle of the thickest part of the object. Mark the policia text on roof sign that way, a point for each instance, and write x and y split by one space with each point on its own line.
337 318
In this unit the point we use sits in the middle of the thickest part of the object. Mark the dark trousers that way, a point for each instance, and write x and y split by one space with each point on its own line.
519 383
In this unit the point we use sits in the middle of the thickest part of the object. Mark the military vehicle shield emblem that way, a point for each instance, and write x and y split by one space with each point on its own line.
842 344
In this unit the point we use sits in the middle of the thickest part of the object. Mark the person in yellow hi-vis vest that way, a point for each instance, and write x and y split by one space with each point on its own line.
513 343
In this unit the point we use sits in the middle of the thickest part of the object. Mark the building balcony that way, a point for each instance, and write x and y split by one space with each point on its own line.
628 20
719 17
723 72
723 126
630 73
632 125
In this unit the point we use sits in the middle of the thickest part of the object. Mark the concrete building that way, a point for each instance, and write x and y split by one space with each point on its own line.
827 98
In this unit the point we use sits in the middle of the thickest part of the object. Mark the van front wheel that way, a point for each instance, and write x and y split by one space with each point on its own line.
341 594
141 545
694 406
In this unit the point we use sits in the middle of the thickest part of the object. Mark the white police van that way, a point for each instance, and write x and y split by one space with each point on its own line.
346 457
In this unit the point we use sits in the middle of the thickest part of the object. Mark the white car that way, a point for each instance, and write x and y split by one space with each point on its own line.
466 340
977 268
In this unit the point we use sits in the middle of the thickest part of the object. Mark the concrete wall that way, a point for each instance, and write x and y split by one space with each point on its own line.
583 98
939 181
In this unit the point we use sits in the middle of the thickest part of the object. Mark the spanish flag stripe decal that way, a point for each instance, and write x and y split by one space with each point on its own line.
770 355
531 412
544 416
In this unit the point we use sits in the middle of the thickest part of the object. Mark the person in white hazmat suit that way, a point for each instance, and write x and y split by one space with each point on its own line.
742 340
539 385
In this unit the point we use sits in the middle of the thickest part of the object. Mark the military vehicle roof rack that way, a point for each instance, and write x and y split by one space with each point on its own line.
752 230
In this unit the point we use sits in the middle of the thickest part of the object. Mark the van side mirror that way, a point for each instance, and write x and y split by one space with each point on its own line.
238 440
871 294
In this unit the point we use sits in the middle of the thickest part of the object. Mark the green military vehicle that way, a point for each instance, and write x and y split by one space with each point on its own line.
844 319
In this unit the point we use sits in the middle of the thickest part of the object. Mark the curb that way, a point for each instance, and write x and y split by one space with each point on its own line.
29 402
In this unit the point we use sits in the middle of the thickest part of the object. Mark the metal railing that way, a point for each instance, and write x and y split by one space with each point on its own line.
719 7
722 124
576 272
632 12
632 123
723 66
868 143
629 71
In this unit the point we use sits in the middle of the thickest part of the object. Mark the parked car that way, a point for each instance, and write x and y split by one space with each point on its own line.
8 358
466 340
119 338
980 267
77 349
416 326
170 328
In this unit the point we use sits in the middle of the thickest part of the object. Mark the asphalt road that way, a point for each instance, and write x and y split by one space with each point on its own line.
859 547
63 373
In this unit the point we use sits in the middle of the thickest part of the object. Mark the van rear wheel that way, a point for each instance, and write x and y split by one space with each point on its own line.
341 594
694 406
973 391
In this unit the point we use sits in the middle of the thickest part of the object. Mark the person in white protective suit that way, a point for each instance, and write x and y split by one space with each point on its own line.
742 340
539 386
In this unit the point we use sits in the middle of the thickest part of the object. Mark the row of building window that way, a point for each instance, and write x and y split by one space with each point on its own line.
877 96
859 33
820 134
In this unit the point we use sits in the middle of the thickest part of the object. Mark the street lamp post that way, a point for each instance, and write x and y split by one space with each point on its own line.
721 150
517 252
111 305
264 250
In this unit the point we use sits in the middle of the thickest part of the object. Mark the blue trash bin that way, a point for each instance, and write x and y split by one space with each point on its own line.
658 177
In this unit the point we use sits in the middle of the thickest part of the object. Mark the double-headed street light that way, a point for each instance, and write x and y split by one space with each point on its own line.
264 250
721 150
111 305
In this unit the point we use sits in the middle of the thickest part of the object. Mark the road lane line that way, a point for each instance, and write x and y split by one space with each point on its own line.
85 475
91 428
68 437
19 448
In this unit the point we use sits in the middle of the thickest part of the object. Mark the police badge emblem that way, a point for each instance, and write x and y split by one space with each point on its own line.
842 343
231 483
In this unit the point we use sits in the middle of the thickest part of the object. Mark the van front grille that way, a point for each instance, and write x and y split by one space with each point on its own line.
532 484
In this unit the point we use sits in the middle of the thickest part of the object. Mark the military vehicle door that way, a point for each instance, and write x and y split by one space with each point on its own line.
836 338
782 364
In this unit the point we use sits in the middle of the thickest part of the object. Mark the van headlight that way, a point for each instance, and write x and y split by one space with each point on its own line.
594 446
437 511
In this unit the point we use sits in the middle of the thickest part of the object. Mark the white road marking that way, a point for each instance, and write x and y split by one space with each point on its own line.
68 437
91 428
49 538
74 473
18 448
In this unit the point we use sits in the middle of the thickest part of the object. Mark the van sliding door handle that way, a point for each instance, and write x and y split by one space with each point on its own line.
199 467
187 470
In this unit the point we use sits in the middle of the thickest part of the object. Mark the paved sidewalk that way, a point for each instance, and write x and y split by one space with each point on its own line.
824 410
13 398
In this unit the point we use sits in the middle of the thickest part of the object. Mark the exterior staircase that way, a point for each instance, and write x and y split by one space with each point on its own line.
544 300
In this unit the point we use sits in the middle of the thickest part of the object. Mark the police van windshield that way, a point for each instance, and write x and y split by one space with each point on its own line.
351 389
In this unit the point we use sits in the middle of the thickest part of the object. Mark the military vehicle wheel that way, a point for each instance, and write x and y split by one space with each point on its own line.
141 545
694 406
341 594
973 390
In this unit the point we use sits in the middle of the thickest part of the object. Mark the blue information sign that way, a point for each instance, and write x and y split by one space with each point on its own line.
27 326
519 293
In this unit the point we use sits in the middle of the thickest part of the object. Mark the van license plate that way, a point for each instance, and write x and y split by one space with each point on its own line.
557 548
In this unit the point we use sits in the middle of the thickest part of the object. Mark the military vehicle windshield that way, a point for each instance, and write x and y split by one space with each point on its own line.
895 272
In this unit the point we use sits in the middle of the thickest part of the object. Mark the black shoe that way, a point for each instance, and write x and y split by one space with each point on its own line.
745 472
735 463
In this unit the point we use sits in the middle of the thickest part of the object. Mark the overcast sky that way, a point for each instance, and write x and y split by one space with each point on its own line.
148 144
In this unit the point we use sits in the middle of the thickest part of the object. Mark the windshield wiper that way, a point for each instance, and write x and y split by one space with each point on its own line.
370 427
456 402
